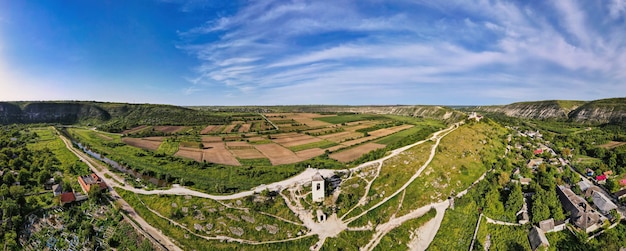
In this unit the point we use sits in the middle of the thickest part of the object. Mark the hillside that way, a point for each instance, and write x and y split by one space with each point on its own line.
113 117
420 111
598 111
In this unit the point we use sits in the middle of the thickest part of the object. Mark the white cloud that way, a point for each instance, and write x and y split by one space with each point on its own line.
617 8
303 49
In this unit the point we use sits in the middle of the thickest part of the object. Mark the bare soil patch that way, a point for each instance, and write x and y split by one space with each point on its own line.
612 144
238 144
191 153
341 136
309 153
211 139
134 130
170 129
160 139
229 128
296 140
245 128
212 129
143 144
251 153
356 152
277 154
217 153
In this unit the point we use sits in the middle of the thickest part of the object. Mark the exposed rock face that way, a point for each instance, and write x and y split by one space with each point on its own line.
599 111
420 111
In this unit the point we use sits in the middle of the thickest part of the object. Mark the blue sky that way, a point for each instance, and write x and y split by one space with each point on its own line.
206 52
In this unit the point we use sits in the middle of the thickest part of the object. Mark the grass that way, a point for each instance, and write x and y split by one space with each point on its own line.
396 171
397 238
352 190
168 147
457 227
255 162
396 137
50 140
458 162
206 211
378 215
320 144
340 119
188 241
348 240
586 160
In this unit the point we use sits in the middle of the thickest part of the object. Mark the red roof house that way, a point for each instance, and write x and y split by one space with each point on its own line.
89 181
538 151
622 182
601 178
67 197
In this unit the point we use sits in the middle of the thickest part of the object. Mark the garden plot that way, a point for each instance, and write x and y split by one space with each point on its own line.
310 153
217 153
229 128
245 127
342 136
170 129
356 152
277 154
296 140
212 129
143 143
211 139
191 153
136 129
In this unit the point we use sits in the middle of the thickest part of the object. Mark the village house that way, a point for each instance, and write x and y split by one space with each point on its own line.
67 197
534 163
89 181
620 194
584 185
550 225
537 238
57 189
604 204
601 179
581 213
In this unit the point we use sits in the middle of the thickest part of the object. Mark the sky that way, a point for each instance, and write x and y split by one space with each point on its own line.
272 52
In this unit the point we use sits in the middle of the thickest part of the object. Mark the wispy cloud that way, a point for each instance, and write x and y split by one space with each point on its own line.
397 52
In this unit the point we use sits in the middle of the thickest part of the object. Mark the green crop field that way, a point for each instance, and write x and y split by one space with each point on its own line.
320 144
340 119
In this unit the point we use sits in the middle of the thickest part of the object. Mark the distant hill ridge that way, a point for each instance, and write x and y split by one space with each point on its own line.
601 111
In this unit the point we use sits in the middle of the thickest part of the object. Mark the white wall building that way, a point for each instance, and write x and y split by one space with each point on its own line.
317 186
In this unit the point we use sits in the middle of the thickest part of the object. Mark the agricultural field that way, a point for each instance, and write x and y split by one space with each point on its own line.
301 136
143 143
356 152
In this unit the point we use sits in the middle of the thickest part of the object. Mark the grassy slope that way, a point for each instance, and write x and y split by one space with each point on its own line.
188 241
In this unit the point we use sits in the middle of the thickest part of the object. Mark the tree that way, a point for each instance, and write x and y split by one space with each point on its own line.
516 199
540 212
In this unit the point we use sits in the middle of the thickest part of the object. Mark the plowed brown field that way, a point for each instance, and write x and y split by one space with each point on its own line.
143 144
356 152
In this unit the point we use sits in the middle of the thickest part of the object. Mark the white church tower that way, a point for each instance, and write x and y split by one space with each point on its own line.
317 185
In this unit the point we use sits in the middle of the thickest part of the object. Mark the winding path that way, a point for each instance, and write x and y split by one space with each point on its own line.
320 229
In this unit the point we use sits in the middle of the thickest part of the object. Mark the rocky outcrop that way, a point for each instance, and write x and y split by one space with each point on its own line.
596 112
611 111
419 111
530 110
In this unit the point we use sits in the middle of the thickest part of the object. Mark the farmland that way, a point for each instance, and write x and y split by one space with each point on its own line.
296 137
287 142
